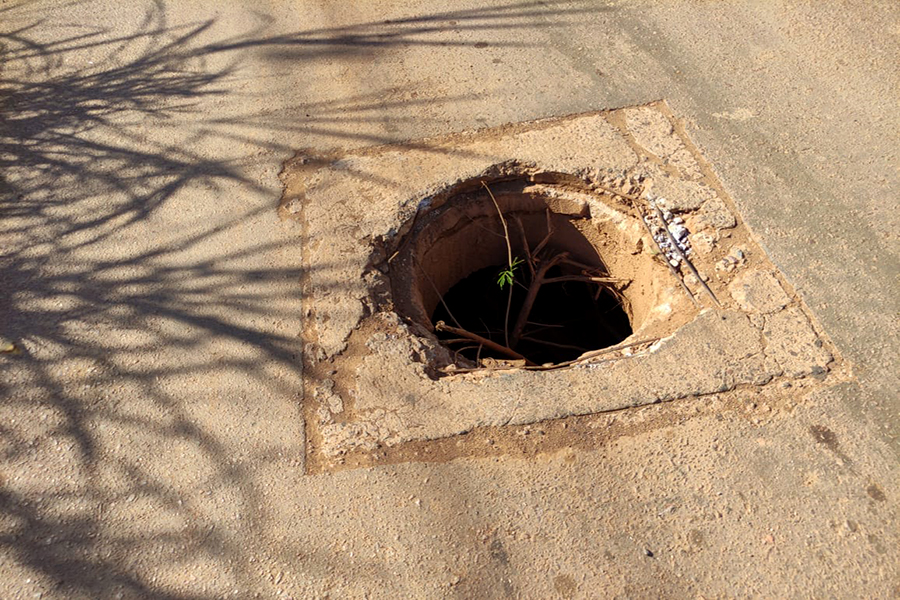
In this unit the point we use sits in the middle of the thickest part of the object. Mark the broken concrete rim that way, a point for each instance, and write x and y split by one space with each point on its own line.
458 232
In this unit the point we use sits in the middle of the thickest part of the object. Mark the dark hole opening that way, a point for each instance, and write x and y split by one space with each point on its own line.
566 320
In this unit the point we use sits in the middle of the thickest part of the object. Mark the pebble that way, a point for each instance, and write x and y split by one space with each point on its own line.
677 231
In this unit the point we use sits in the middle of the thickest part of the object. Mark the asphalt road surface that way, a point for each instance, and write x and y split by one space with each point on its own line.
151 404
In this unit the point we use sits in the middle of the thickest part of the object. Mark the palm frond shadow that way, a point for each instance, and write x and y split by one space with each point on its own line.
101 132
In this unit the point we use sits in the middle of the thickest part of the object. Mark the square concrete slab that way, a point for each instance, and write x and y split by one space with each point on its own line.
617 205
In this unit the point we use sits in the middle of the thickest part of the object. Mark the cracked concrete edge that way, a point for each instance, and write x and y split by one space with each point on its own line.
358 206
716 352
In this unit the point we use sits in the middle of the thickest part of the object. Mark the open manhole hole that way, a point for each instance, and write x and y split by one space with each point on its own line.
578 280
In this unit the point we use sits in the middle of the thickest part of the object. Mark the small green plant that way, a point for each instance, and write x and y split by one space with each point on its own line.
508 275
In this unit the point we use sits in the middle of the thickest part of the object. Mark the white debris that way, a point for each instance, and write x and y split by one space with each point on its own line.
677 231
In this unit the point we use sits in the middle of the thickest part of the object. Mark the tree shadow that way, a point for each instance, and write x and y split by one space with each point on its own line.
131 329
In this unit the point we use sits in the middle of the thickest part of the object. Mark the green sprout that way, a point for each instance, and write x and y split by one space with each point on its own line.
508 275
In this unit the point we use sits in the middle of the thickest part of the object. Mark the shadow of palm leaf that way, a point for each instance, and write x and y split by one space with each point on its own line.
136 282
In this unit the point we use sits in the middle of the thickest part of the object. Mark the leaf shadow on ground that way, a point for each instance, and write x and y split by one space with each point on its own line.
110 320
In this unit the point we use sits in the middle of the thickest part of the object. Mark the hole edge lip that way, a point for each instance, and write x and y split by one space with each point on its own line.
571 196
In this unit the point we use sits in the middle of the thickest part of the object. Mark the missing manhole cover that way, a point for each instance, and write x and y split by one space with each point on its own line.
395 233
578 282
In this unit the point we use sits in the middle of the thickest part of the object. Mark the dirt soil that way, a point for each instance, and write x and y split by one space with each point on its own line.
162 411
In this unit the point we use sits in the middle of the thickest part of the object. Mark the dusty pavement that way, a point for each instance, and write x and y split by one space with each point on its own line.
153 419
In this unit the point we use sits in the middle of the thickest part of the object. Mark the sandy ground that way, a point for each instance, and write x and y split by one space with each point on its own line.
152 427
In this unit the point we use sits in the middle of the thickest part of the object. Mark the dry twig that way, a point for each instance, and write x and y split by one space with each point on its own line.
682 255
528 253
441 326
510 261
587 279
547 237
672 270
533 289
583 359
436 291
552 344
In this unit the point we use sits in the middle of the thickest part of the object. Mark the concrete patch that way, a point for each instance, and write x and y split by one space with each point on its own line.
758 291
378 377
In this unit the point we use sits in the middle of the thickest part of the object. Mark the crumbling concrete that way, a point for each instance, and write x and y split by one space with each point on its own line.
383 379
